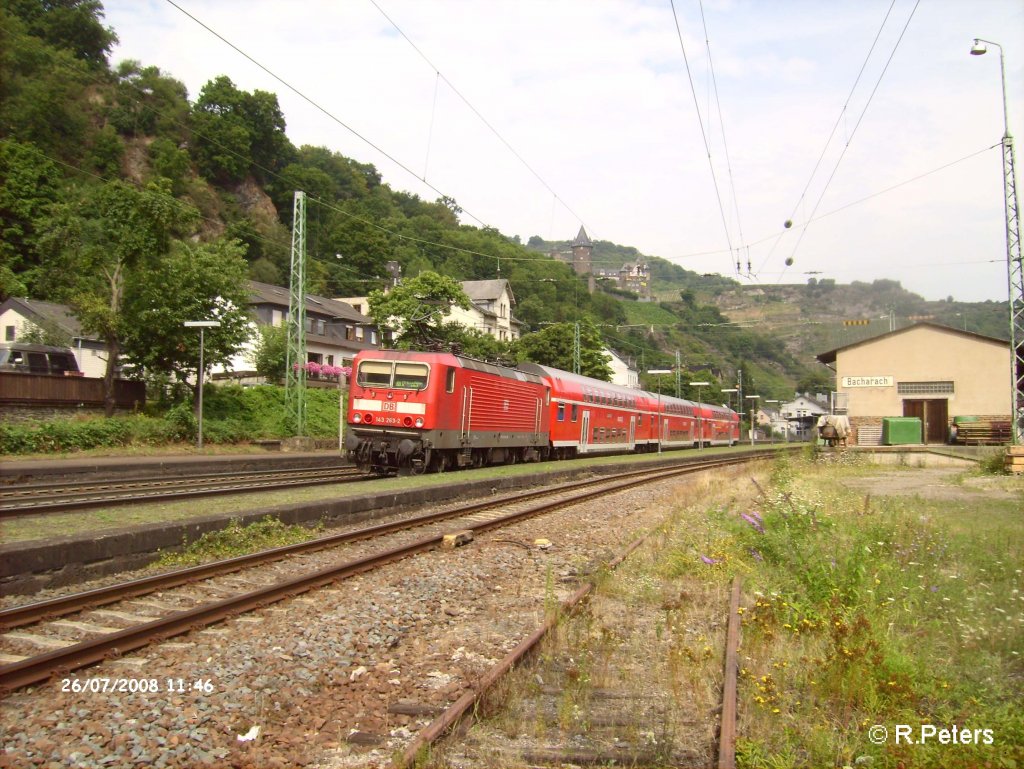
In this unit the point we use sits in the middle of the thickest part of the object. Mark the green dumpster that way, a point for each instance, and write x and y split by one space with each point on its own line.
899 431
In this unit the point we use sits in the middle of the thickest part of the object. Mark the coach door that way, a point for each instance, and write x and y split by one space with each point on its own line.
632 433
467 409
584 432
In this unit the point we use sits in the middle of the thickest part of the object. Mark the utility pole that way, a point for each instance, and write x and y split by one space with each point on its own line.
1014 267
295 357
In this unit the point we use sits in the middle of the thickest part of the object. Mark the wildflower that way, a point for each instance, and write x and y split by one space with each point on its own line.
709 561
753 522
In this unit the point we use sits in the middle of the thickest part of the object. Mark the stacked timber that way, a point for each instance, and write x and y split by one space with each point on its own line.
1015 459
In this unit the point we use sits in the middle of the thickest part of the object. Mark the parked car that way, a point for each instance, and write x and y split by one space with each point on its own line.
22 358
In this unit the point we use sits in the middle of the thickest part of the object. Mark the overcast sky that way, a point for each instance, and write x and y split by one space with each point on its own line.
595 97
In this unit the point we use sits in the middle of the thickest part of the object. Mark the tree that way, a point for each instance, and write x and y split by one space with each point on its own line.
415 310
98 243
72 25
270 356
553 346
29 184
193 282
238 133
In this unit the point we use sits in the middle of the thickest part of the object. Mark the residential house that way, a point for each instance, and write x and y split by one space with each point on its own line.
490 308
622 374
18 316
335 332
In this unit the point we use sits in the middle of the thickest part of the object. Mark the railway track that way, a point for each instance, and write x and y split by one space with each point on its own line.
36 498
95 635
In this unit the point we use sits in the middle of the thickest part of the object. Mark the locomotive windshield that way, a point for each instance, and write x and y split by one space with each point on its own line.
394 374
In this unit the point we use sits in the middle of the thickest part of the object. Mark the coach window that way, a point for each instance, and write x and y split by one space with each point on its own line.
410 376
561 412
575 412
449 382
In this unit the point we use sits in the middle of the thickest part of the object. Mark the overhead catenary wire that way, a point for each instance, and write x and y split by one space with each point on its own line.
271 173
700 121
860 119
475 111
725 143
324 110
835 127
845 206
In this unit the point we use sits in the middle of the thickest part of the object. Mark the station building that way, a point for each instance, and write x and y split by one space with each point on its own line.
928 371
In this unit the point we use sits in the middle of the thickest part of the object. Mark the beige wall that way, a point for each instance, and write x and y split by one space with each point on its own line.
979 370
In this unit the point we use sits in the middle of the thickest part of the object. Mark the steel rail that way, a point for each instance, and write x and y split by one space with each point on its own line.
27 614
727 730
41 667
125 496
433 731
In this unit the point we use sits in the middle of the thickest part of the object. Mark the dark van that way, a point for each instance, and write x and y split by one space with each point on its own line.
38 359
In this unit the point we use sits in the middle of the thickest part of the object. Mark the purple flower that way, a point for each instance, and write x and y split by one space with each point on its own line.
709 561
757 515
753 522
756 554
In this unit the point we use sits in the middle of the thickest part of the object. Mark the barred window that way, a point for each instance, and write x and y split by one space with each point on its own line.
924 388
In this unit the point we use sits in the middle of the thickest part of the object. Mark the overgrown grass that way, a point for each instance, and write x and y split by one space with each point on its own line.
236 539
888 611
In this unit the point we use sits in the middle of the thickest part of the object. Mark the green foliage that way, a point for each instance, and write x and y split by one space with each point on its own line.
231 414
872 615
553 346
73 25
47 332
29 184
238 133
235 540
270 355
64 435
414 310
193 282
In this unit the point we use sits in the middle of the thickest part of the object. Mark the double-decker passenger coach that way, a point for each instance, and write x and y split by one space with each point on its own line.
416 411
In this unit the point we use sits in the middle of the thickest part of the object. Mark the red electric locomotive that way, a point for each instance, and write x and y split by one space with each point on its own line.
413 411
416 411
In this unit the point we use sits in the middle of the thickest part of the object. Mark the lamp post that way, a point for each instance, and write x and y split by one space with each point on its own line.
202 325
659 372
752 398
729 390
700 416
1014 271
771 430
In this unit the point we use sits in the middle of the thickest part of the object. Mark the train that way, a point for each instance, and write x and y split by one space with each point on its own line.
411 412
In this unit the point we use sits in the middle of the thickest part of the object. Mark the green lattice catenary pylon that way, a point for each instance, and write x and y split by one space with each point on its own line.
295 357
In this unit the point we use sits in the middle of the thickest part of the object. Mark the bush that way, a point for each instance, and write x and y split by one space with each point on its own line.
231 414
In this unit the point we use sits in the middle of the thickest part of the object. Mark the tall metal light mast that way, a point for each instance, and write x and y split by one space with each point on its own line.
295 357
1015 274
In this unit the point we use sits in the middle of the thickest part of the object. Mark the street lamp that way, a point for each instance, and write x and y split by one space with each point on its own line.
752 398
771 430
1014 271
700 417
202 325
730 390
659 372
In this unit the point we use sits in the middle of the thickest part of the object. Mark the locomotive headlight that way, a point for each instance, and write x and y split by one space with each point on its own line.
357 418
419 421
